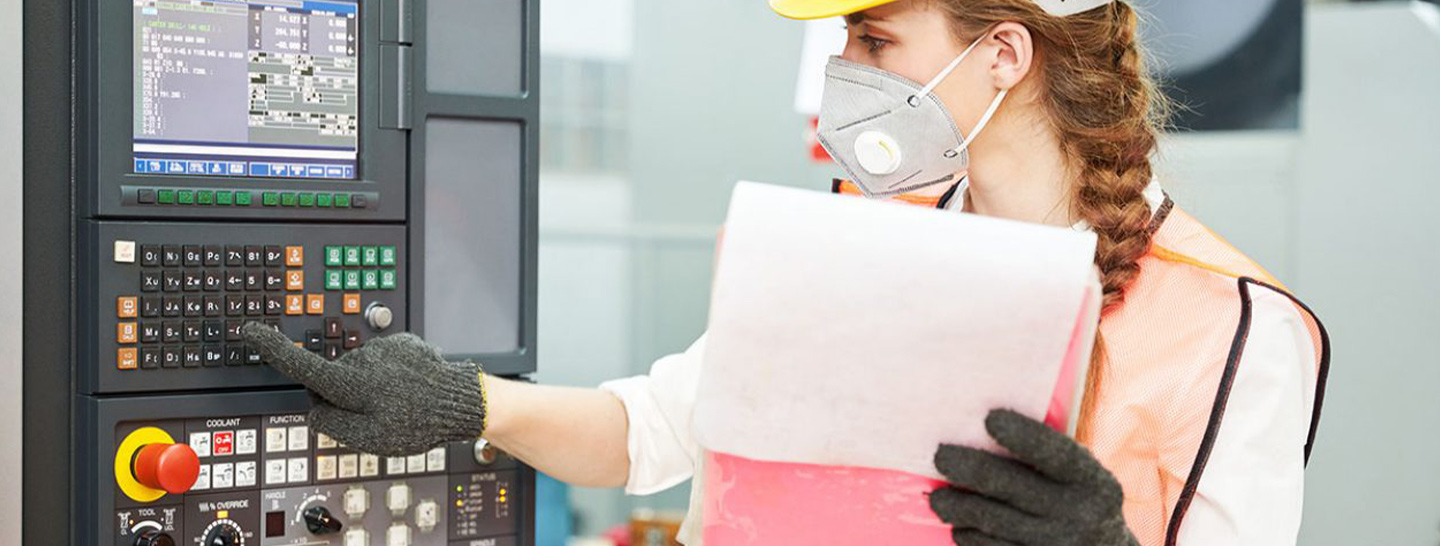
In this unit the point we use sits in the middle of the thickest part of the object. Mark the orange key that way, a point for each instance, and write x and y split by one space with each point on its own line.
125 358
294 304
125 333
294 256
315 304
295 280
352 304
126 306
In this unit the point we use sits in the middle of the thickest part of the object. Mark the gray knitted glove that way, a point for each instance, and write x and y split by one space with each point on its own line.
393 396
1057 495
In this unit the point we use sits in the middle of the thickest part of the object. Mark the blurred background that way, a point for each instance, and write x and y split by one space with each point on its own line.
1310 143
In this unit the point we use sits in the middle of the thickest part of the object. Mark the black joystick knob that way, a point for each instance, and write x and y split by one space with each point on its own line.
222 536
319 521
153 537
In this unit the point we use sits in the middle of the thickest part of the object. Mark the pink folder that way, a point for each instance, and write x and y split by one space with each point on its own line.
806 442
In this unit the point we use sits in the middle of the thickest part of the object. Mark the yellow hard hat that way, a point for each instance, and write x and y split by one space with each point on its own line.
820 9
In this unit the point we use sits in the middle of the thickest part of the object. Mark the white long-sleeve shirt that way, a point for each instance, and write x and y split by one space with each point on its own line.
1250 495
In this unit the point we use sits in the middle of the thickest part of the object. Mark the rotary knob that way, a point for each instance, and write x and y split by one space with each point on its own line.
319 520
153 537
379 316
167 466
222 535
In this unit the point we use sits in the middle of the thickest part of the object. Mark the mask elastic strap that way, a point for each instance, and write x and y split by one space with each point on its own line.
914 100
984 120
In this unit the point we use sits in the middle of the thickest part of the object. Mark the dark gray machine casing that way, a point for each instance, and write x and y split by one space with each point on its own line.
418 77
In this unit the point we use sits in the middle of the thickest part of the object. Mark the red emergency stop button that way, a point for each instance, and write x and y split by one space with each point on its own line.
169 467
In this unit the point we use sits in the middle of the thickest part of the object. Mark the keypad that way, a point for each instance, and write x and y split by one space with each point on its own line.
191 300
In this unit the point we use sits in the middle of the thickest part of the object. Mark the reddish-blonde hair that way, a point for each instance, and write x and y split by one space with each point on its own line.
1107 113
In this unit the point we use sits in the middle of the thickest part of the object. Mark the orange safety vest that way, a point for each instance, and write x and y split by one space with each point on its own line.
1173 350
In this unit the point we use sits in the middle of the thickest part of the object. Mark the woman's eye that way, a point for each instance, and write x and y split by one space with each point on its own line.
872 43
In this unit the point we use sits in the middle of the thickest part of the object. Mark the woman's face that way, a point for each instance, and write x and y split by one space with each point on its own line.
914 39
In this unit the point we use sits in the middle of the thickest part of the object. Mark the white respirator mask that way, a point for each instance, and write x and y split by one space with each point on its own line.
891 135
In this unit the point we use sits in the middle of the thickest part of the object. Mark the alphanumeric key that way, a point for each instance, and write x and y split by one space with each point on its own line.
254 305
214 256
234 280
193 280
192 357
232 330
254 256
150 280
171 307
213 356
170 256
149 256
234 305
170 332
149 332
214 331
274 256
214 280
170 357
274 280
194 256
194 306
314 341
213 306
150 306
252 358
150 358
273 323
254 280
235 256
234 355
194 331
173 280
332 350
274 304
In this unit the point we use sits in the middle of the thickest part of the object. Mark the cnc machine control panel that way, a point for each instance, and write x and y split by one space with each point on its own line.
339 170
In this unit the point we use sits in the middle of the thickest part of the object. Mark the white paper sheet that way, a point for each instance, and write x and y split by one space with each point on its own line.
851 332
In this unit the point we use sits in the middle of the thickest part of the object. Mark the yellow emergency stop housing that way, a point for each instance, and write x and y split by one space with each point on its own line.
125 455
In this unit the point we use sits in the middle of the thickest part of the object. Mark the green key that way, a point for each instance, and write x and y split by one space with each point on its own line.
387 255
322 199
387 279
287 199
352 255
342 200
205 197
242 198
333 279
307 199
332 256
165 197
352 279
371 279
186 197
270 198
369 256
224 198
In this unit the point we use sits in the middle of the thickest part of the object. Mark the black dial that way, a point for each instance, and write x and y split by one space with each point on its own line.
319 520
223 535
153 537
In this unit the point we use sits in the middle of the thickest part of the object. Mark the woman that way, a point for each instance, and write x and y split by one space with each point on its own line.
1192 330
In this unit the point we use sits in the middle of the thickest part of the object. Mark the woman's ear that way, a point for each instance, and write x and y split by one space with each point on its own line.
1014 55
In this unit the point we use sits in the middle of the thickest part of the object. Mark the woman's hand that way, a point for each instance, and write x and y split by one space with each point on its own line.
393 396
1057 494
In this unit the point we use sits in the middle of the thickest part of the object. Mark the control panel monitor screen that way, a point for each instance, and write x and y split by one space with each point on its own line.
246 88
